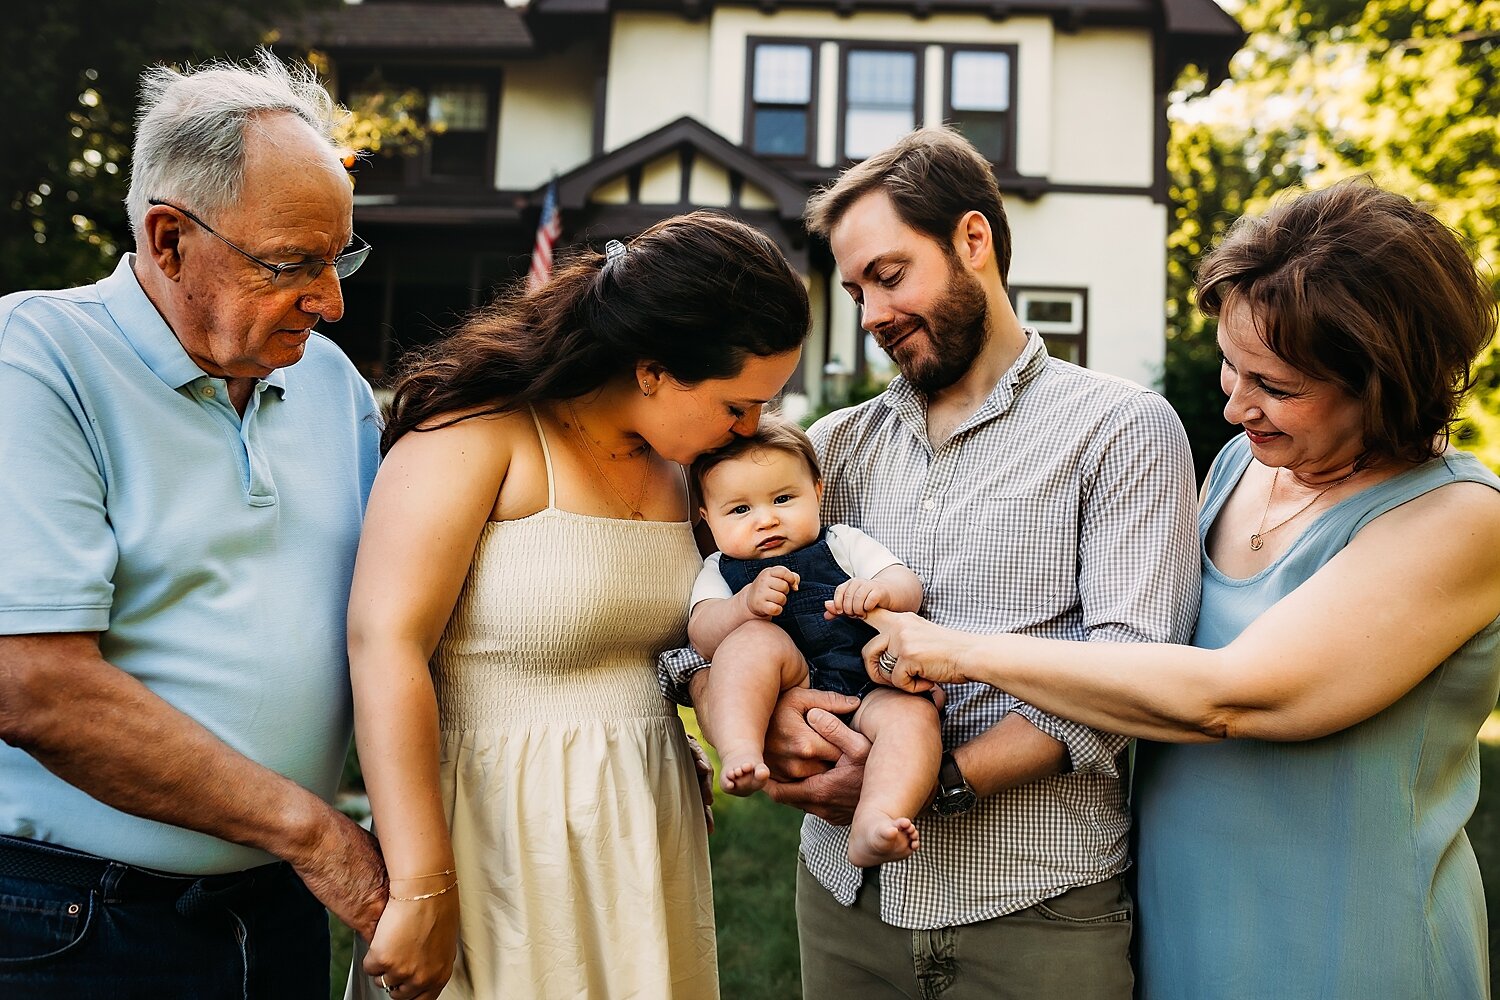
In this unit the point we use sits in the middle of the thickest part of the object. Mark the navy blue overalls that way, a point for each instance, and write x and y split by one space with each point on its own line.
832 648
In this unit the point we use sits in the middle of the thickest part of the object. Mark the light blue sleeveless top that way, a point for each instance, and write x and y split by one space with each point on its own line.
1332 868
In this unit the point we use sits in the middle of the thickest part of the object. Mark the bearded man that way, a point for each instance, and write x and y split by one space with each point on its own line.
1030 495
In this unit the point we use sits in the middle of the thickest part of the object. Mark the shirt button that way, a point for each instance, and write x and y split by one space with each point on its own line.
207 392
929 503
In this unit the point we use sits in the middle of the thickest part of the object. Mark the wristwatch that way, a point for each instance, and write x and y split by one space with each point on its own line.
954 796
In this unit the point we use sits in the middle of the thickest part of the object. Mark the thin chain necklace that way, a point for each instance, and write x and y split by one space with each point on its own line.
1262 531
640 494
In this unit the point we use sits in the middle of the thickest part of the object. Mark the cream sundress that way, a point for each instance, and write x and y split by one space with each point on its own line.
572 800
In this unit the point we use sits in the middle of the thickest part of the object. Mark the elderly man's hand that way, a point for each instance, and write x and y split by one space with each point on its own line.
341 865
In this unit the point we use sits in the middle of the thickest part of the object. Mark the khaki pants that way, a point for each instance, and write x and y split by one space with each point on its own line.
1072 947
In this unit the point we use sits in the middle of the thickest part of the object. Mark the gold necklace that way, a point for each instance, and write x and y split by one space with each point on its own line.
1262 531
640 494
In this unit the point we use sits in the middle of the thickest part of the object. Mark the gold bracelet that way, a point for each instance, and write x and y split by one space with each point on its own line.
413 878
425 895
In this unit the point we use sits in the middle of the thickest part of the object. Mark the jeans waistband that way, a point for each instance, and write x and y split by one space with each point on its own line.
39 862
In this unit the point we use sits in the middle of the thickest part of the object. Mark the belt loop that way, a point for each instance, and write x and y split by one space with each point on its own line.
111 879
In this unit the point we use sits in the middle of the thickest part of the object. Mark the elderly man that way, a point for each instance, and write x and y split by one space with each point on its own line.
185 467
1030 495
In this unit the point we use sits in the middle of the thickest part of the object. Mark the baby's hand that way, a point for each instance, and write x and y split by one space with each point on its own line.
856 598
767 593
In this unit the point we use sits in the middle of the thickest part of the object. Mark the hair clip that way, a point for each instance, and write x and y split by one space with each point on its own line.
613 251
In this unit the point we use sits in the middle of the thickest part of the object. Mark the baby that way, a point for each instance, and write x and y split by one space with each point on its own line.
779 604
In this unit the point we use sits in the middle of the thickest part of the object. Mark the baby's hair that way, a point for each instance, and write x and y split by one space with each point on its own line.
775 433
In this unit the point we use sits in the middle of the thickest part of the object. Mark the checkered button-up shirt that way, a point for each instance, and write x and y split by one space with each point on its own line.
1063 508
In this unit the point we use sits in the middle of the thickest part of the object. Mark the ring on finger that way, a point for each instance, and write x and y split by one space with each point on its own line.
384 985
887 662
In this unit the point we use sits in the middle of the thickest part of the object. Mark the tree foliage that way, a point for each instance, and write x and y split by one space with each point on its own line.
1406 91
68 77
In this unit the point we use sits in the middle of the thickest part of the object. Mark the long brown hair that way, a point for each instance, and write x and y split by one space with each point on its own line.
697 294
1360 287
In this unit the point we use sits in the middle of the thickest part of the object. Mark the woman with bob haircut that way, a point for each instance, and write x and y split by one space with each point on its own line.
526 554
1312 756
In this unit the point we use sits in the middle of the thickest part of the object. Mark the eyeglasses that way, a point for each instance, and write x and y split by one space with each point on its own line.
295 275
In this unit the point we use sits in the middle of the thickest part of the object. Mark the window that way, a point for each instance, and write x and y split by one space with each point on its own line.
781 99
979 100
458 117
880 98
452 117
1060 315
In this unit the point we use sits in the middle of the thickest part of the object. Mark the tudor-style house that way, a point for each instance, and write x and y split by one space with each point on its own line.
641 109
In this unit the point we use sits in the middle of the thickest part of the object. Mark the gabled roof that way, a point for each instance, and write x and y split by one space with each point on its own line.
574 187
1195 31
448 28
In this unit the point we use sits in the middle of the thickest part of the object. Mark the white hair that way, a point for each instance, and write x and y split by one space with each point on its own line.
190 130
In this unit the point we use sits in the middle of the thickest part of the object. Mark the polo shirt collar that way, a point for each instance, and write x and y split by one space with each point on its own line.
911 406
149 334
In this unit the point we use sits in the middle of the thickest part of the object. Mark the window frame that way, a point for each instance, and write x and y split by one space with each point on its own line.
952 114
1049 332
814 47
919 52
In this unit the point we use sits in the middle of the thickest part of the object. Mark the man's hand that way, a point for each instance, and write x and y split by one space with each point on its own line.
795 748
342 867
705 771
766 596
832 794
856 598
913 654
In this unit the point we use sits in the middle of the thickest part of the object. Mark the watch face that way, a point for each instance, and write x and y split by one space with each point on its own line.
954 801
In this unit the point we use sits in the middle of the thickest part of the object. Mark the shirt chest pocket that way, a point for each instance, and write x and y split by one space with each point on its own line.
1026 556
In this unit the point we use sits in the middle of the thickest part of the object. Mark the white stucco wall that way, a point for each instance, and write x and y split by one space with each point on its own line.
1103 108
659 70
1116 247
546 117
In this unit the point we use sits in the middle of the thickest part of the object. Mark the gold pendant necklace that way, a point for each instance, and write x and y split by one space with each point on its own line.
640 494
1262 531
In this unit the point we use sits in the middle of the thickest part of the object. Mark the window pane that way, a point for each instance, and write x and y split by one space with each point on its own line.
780 132
981 81
458 107
783 74
458 154
881 79
987 132
868 132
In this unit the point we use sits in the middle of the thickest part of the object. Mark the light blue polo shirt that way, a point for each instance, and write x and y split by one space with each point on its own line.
213 554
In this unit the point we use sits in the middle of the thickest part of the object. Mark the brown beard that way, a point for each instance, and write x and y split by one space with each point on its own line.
957 328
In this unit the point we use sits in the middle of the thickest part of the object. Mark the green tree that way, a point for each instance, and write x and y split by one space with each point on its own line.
68 77
1407 91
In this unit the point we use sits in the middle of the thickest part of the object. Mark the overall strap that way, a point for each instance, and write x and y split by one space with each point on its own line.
546 456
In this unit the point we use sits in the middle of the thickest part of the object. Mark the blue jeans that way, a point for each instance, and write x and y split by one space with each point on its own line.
133 933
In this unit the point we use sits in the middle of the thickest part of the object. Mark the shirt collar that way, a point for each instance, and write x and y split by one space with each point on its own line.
911 406
150 335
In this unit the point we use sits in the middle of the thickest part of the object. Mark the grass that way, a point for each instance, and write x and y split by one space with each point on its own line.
754 854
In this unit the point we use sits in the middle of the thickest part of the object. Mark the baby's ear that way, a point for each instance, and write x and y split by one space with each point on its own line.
818 490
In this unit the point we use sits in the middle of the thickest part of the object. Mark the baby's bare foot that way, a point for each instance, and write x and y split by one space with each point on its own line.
876 838
744 775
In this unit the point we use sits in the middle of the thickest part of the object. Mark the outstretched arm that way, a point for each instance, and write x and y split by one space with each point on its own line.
1360 633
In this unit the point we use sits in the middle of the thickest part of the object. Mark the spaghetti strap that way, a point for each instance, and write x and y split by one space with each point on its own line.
546 456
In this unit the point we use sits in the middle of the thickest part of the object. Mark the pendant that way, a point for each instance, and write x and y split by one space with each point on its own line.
1255 542
636 515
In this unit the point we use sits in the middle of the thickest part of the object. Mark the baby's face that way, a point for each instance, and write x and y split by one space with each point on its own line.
762 503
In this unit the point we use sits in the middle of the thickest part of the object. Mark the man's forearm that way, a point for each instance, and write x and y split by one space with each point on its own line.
1011 753
104 732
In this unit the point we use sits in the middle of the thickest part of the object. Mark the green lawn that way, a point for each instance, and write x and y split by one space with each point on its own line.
755 856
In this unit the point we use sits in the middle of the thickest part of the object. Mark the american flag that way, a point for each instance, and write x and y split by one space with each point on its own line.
548 229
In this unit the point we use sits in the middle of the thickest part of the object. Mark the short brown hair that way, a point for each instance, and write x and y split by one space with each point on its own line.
1360 287
933 176
775 433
